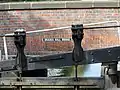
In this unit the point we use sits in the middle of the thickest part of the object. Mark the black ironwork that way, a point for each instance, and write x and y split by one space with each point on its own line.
77 57
21 60
101 27
20 42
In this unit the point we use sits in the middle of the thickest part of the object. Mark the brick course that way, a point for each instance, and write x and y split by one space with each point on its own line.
42 19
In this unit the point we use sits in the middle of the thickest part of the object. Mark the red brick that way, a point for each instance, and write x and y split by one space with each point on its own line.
41 19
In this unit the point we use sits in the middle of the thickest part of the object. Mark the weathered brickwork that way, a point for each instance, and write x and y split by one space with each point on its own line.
42 19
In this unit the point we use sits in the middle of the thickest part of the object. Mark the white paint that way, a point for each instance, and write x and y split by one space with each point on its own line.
20 30
54 72
0 56
5 48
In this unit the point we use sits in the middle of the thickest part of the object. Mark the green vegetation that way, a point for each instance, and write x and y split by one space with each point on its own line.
70 71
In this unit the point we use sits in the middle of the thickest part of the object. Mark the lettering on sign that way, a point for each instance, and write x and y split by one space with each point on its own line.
56 39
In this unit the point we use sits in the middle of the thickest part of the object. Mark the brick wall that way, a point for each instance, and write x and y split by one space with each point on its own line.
41 19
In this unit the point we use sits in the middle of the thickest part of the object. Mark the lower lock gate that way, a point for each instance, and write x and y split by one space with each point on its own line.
31 72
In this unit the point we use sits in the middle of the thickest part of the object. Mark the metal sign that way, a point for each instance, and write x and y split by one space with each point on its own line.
56 39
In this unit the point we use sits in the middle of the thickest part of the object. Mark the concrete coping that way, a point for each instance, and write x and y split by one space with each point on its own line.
61 4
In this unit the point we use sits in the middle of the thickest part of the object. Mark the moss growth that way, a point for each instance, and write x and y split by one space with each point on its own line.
70 71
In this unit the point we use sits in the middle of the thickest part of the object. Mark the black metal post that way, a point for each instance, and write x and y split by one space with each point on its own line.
20 42
78 54
21 60
77 36
112 72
